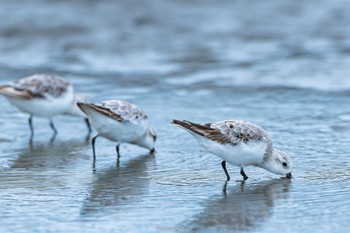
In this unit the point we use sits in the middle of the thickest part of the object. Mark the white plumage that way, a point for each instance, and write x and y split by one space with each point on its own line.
40 95
120 121
240 143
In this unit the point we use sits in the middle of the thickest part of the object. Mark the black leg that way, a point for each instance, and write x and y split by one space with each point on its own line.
93 147
31 127
245 177
117 150
88 124
152 151
223 164
53 127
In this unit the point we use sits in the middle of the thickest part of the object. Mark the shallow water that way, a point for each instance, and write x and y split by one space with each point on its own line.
281 65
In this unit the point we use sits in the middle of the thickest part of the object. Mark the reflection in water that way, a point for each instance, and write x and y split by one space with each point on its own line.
242 209
278 66
118 186
49 154
44 167
53 137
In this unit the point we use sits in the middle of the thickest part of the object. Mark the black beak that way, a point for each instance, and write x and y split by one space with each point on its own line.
289 175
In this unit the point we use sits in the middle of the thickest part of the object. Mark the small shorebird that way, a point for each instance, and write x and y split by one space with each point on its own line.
119 121
240 143
42 95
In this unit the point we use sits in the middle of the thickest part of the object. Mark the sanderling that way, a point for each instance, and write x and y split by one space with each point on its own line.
41 95
240 143
119 121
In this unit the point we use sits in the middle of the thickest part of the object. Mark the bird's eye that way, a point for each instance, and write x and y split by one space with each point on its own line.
284 164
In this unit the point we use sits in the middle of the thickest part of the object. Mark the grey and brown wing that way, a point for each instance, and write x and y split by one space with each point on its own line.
204 130
127 111
241 131
37 86
43 85
118 110
98 108
232 132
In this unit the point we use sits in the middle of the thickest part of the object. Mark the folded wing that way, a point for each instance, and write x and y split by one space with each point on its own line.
231 132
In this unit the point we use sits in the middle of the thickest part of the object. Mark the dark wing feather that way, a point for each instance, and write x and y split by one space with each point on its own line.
14 92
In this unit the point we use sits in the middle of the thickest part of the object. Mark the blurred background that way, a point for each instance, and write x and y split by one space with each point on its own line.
288 43
283 65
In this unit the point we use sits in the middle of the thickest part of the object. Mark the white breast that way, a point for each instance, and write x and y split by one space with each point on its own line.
240 155
124 131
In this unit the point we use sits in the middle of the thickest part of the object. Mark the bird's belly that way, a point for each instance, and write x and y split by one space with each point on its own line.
42 107
240 155
117 131
119 134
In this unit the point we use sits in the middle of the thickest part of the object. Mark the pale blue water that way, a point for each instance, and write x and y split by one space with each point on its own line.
282 65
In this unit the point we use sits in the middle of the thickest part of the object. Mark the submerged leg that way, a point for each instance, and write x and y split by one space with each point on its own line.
93 147
31 127
88 124
245 177
54 132
225 187
118 162
223 164
117 150
53 127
